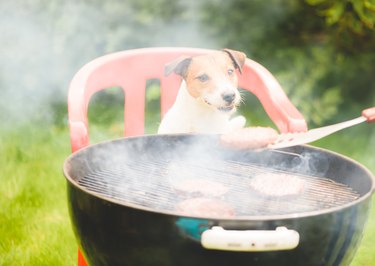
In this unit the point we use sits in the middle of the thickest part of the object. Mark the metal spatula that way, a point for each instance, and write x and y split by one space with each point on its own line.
292 139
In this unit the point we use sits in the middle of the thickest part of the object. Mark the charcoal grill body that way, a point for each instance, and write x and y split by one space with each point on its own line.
130 71
115 233
111 234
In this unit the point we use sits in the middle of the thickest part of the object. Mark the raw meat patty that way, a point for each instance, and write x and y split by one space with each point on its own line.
250 138
277 185
201 187
206 207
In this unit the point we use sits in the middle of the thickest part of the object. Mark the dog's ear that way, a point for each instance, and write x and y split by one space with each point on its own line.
178 66
237 57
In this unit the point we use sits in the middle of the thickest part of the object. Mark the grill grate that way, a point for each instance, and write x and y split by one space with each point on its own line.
150 184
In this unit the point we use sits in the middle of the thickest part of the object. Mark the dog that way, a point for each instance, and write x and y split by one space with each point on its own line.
208 95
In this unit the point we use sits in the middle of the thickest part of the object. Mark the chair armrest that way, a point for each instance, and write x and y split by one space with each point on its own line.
258 80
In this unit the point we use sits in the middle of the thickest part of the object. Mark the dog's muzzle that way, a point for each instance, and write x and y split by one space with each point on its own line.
229 100
228 97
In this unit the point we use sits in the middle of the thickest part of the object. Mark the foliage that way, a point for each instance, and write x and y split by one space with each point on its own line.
355 15
351 22
325 71
310 46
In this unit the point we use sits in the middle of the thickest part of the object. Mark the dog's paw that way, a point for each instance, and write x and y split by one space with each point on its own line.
236 123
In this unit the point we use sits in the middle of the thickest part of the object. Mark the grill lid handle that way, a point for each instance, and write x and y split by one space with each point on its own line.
249 240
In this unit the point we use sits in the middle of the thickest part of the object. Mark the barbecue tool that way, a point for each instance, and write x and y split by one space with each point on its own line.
293 139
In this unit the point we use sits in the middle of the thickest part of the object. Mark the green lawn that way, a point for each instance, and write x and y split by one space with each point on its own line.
34 221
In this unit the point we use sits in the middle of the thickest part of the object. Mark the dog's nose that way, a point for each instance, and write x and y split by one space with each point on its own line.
228 96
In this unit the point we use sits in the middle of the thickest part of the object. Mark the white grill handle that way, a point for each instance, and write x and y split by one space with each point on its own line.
250 240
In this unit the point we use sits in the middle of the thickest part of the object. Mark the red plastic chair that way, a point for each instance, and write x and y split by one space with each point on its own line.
131 69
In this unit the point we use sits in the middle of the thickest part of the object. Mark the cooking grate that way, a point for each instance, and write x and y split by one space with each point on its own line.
151 184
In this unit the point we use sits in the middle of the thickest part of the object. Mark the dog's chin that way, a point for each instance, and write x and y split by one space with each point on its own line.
226 109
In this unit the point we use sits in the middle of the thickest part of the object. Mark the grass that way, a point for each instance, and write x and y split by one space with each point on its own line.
34 220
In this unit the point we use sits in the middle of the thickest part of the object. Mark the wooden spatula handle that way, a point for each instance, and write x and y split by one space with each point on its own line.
369 113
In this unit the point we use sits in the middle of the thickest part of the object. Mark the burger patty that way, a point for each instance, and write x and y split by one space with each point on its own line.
277 184
200 187
250 138
205 207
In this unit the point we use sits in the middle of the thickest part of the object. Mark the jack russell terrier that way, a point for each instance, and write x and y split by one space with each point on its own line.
208 95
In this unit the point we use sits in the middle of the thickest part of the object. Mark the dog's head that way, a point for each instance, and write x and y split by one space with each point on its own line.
211 78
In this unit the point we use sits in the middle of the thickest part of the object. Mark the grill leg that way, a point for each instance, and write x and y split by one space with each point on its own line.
81 259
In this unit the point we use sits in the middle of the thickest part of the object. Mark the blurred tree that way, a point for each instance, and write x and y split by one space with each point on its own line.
321 51
325 68
351 22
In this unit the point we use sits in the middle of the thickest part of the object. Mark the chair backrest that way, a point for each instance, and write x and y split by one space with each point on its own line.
131 69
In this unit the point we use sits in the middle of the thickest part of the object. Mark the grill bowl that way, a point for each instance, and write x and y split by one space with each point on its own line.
114 231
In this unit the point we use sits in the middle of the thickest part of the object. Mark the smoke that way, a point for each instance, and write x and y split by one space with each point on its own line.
160 172
23 79
44 43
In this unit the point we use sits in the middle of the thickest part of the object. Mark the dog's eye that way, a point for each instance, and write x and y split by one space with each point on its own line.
230 72
203 77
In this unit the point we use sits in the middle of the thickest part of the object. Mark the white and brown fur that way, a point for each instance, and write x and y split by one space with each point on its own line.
208 95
